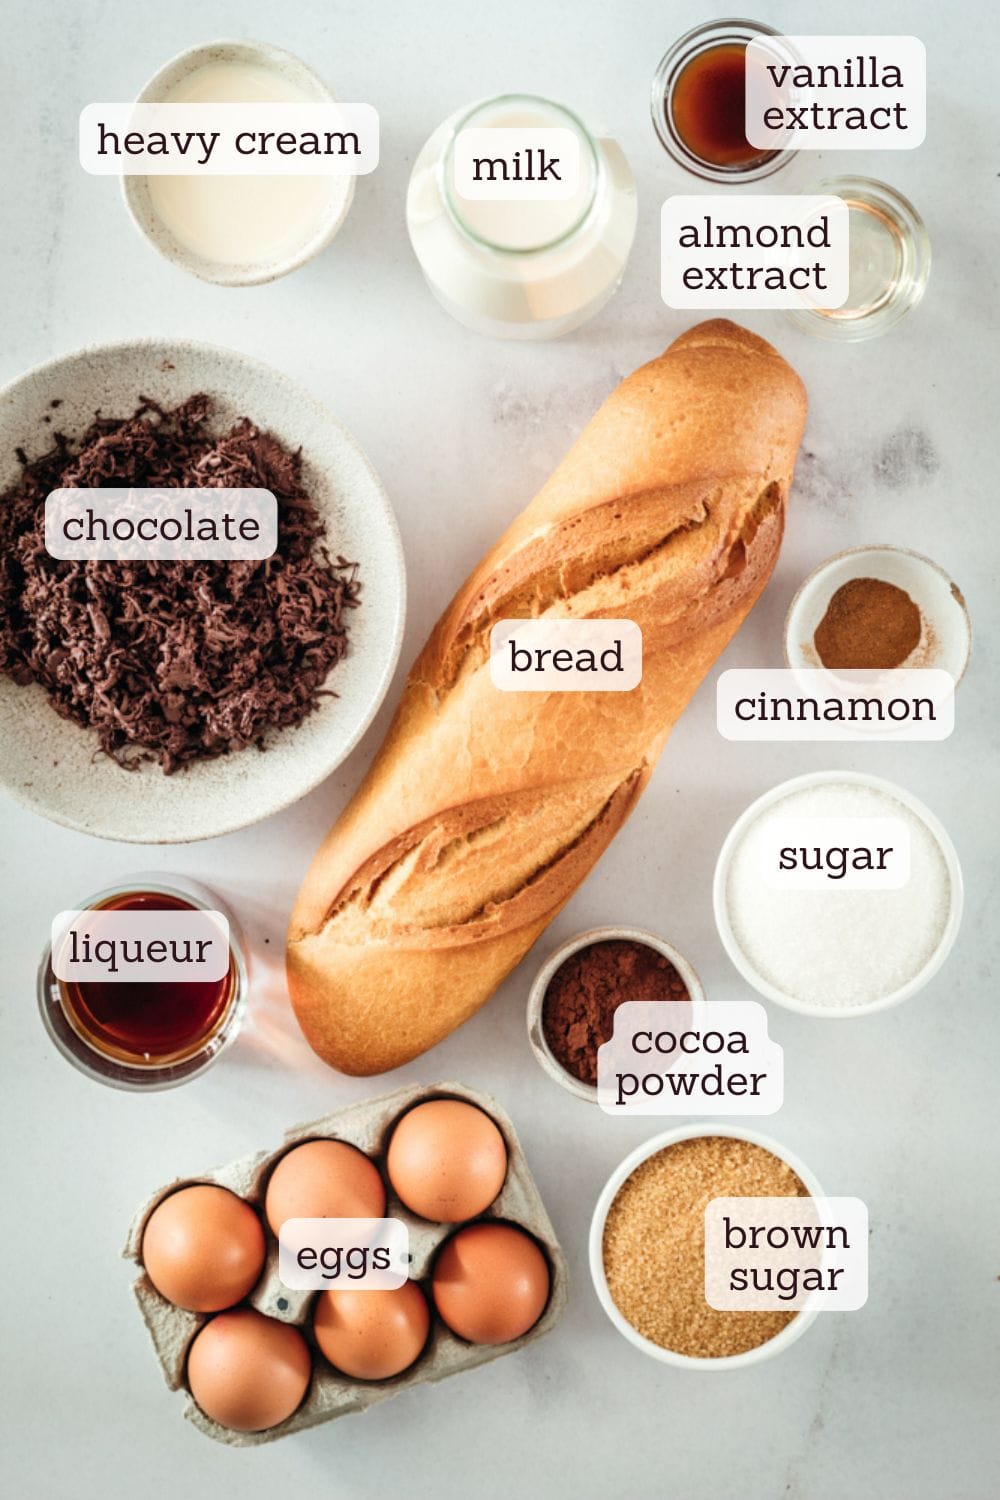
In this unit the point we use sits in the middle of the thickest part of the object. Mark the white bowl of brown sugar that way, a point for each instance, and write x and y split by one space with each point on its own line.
647 1242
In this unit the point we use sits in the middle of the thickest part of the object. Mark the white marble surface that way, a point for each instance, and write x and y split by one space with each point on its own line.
893 1402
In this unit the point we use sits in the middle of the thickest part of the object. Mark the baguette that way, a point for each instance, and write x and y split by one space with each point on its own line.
484 810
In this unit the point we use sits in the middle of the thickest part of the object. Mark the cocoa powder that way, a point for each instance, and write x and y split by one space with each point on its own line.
579 1006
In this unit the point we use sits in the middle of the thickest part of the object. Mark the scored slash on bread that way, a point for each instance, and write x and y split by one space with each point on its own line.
484 810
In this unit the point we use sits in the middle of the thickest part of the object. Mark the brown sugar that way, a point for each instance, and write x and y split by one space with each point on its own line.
654 1244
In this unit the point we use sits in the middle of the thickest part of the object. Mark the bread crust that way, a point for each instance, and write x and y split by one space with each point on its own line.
483 811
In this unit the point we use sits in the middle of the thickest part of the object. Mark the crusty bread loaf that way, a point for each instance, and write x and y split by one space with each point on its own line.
485 810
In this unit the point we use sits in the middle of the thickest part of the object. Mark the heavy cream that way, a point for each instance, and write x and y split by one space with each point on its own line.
248 219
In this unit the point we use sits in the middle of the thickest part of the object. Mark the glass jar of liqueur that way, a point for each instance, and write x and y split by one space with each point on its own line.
890 262
146 1035
698 102
517 268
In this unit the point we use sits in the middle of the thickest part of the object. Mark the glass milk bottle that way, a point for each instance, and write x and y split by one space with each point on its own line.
522 269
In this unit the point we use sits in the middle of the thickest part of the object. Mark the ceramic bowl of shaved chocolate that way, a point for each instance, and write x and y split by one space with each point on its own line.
159 702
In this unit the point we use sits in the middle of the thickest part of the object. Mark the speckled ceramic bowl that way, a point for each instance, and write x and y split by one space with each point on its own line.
48 763
136 188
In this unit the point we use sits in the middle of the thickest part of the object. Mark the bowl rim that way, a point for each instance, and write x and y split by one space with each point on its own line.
811 580
536 994
303 398
777 794
595 1246
231 273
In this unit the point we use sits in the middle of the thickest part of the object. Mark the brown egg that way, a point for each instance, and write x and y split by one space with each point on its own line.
203 1248
447 1160
248 1372
372 1335
324 1180
491 1283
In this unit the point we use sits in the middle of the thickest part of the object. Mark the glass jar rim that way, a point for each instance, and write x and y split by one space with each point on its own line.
445 175
688 46
847 181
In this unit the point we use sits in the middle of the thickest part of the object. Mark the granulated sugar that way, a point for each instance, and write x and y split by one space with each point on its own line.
836 948
654 1244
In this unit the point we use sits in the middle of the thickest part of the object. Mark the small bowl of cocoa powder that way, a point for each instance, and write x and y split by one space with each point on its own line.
572 1002
878 609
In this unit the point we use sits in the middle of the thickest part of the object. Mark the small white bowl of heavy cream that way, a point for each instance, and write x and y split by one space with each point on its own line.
237 231
835 948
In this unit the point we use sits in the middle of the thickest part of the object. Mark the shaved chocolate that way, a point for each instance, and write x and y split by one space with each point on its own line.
172 661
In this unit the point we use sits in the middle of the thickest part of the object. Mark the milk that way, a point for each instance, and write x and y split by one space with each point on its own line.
239 220
527 225
522 268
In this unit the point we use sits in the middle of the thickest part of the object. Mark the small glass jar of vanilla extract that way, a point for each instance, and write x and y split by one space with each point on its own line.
146 1035
698 104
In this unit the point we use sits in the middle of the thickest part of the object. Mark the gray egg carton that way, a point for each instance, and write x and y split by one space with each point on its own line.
330 1393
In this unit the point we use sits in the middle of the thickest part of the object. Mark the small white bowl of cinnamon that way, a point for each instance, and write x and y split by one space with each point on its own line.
879 608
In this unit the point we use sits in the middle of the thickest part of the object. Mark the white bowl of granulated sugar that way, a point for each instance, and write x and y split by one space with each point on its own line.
836 949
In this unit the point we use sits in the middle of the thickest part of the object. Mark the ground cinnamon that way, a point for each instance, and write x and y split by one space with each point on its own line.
579 1006
868 624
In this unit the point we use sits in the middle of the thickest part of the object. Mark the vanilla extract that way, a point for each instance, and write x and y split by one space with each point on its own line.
859 72
816 116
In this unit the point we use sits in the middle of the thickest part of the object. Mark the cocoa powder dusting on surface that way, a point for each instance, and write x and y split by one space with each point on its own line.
172 661
582 996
